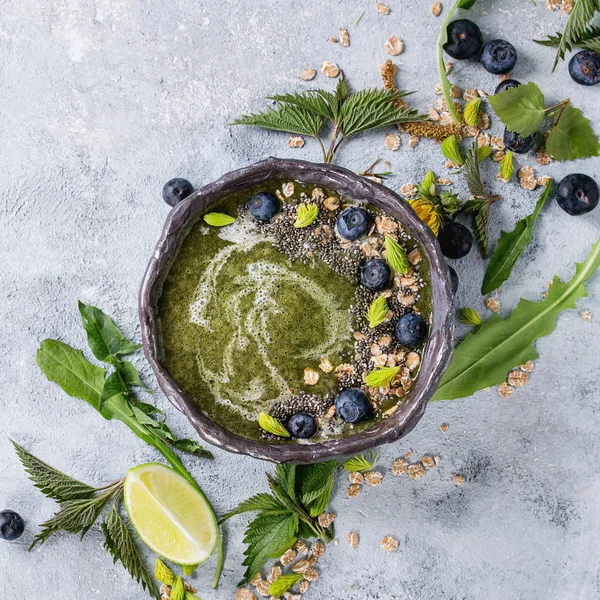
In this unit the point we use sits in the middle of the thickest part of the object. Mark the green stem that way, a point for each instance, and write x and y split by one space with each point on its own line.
442 39
322 148
561 106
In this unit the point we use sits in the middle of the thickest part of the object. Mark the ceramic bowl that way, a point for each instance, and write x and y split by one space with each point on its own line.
436 354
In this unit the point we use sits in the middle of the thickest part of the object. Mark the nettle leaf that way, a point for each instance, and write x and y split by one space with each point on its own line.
521 109
283 583
264 503
382 377
510 247
315 479
216 219
121 545
377 311
52 483
163 573
396 256
471 111
451 150
469 316
360 462
272 425
507 166
285 117
268 536
484 358
484 152
105 339
307 214
427 186
320 102
572 136
319 505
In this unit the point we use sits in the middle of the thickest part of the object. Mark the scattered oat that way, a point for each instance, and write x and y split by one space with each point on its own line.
455 91
274 574
356 477
263 588
444 427
352 538
458 480
318 549
428 462
311 574
389 543
528 366
288 557
483 121
325 365
256 579
586 315
308 74
543 158
505 390
382 9
330 69
373 478
326 519
493 304
413 360
392 141
414 256
311 376
344 37
517 378
413 140
528 183
303 586
288 189
497 143
295 141
408 190
543 181
400 467
498 155
394 45
331 203
353 490
448 67
567 6
525 172
244 594
300 566
300 547
408 454
436 9
470 94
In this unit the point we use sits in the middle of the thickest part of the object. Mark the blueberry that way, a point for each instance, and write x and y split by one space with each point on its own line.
11 525
453 279
520 145
584 67
264 206
577 194
411 330
498 57
175 190
455 240
302 426
353 405
506 85
375 274
464 39
353 223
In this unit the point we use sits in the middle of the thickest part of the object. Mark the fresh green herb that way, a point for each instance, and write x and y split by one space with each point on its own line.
348 113
578 33
481 201
471 112
522 109
427 186
307 213
484 152
272 425
215 219
359 18
382 377
451 150
510 247
484 358
507 166
360 462
112 396
469 316
177 590
283 583
298 495
442 39
163 573
368 172
395 255
377 311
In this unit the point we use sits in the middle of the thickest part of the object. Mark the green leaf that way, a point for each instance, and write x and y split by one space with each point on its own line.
382 377
320 102
286 117
216 219
264 503
177 591
52 483
396 256
507 166
163 573
285 480
451 150
521 108
589 39
319 505
360 463
451 203
471 112
572 136
190 447
283 583
272 425
119 542
373 108
484 152
67 367
130 376
105 339
268 536
510 247
469 316
307 213
377 311
427 187
466 4
314 479
484 358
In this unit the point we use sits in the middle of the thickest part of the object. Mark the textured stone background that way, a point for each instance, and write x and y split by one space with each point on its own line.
101 102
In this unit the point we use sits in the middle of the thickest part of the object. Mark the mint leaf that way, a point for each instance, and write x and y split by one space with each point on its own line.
105 339
510 247
572 136
484 358
521 109
268 536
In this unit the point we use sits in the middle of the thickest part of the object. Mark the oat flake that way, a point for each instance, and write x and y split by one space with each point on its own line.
356 478
295 141
436 9
458 480
444 427
326 519
330 69
311 574
389 543
394 45
517 378
392 142
244 594
493 304
311 376
352 538
308 74
288 557
382 9
586 315
373 478
505 390
288 189
344 37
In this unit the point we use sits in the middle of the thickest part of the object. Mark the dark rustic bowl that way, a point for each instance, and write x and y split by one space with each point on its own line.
436 354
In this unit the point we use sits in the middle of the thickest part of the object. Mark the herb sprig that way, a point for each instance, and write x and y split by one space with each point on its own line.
348 113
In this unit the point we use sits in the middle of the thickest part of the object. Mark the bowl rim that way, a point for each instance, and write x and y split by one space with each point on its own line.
436 353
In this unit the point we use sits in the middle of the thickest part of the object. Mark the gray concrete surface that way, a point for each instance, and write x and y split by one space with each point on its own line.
101 102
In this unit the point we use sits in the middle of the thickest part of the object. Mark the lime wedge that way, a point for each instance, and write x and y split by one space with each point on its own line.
169 514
